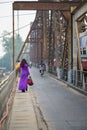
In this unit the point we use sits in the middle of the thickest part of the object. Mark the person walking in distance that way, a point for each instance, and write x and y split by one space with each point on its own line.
42 67
24 76
18 70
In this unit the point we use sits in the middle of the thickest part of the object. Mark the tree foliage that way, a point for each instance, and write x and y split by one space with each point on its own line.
6 60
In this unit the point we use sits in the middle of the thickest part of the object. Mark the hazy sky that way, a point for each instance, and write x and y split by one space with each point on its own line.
25 17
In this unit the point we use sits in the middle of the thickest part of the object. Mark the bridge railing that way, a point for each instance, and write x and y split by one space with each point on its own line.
75 77
6 87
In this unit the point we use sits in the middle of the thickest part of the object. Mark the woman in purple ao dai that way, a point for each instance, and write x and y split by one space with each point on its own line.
24 76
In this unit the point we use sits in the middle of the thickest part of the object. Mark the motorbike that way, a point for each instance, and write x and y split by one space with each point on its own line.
41 71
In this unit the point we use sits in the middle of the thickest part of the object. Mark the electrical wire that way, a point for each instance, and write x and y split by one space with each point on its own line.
16 15
15 30
18 28
6 2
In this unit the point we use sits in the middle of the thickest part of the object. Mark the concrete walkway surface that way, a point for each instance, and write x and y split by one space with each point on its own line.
23 115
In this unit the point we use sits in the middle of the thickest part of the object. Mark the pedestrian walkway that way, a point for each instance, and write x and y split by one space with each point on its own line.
23 114
48 105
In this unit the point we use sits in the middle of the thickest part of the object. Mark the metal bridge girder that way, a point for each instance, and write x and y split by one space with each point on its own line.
40 5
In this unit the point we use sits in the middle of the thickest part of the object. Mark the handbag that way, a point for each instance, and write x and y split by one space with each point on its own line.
30 81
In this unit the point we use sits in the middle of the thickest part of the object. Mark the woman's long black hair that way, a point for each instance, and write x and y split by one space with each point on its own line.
23 62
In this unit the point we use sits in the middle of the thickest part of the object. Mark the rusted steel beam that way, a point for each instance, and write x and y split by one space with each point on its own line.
40 5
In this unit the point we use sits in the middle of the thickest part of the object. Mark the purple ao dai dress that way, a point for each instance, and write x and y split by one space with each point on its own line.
23 77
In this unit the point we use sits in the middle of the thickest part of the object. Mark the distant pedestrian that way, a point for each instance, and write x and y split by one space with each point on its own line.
42 66
24 68
30 64
17 67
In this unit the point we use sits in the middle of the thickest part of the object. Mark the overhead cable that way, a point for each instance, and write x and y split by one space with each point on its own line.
15 30
16 15
6 2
